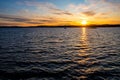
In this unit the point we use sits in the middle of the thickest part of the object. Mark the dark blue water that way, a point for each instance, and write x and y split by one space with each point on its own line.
59 54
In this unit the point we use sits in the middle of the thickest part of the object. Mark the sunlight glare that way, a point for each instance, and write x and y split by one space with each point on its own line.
84 22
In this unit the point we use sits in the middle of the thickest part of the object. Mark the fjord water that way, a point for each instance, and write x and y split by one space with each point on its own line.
60 54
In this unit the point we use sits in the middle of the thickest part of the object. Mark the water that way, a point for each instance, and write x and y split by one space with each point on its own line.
59 54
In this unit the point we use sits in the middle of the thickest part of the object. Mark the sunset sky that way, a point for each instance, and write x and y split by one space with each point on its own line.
58 12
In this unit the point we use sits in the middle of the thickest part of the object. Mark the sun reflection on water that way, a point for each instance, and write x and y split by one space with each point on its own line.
83 35
83 39
83 52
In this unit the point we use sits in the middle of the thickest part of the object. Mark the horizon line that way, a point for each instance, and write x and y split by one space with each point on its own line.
93 25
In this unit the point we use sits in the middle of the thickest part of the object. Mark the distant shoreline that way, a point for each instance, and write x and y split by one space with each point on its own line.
66 26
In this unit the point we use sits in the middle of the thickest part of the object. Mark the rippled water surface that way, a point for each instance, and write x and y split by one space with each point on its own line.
60 54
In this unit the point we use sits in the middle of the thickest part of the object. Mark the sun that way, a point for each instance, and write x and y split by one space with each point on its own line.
84 22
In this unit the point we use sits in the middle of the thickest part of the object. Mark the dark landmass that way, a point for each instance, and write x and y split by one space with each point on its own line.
63 26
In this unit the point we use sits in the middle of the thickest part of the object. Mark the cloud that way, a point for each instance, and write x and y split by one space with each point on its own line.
113 1
37 12
7 24
17 20
89 13
46 7
13 18
39 4
94 8
60 12
97 5
103 4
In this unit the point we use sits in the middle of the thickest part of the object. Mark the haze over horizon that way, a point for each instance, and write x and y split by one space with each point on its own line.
56 12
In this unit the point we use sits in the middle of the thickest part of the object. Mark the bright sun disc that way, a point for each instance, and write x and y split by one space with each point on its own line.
84 22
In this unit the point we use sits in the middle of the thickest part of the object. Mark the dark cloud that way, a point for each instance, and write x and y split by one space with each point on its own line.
60 12
6 24
13 18
89 13
17 19
20 19
67 13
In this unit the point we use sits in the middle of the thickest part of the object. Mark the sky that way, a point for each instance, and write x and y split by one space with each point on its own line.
58 12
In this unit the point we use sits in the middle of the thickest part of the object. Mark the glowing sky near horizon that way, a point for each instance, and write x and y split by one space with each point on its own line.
58 12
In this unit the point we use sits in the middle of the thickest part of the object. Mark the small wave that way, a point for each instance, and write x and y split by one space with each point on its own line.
30 73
